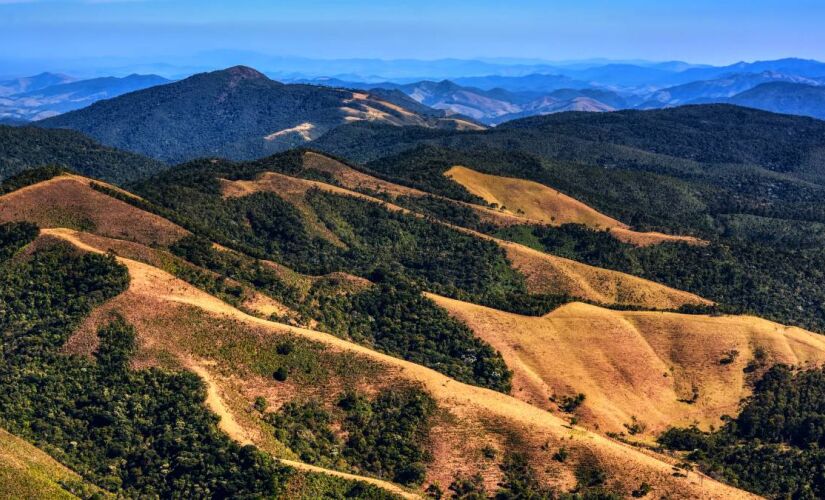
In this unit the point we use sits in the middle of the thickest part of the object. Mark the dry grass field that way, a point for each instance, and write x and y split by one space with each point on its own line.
541 204
664 369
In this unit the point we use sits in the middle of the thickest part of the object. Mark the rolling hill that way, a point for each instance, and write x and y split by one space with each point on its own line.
718 90
180 325
27 147
576 305
31 83
235 113
784 97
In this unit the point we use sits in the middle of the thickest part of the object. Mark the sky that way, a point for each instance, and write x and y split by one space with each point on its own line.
698 31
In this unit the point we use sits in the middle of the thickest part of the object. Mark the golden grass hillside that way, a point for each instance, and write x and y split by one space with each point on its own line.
544 205
179 325
664 369
545 273
26 472
70 201
356 180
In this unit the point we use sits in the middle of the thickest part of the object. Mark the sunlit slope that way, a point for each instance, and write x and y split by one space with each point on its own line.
27 472
180 324
350 178
544 205
544 273
70 201
663 368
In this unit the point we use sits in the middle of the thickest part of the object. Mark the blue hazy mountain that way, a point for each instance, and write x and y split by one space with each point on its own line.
785 97
30 83
51 100
718 89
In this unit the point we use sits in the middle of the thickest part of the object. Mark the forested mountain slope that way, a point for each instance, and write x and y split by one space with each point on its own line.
27 147
234 113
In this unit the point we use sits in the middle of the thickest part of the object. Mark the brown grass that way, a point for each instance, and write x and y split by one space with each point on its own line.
353 179
630 363
69 201
153 293
544 205
545 273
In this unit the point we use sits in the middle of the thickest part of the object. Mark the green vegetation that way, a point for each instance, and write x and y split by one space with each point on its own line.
29 177
23 148
743 274
386 437
15 236
135 433
520 482
311 486
395 318
392 317
171 123
774 446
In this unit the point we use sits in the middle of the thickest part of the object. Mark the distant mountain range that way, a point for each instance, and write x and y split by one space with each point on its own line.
48 94
785 97
518 97
30 83
236 113
492 99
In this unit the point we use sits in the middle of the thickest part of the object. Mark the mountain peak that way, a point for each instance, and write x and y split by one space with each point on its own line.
244 73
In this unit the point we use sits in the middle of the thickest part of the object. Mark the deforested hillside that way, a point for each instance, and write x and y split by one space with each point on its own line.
652 369
297 304
311 385
234 113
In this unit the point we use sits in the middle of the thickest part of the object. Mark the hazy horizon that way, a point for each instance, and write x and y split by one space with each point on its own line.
134 32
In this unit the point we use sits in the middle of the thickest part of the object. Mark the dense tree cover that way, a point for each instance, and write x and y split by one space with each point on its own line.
232 113
781 282
15 236
445 210
774 446
392 317
709 133
386 436
30 176
433 256
445 260
676 169
23 148
135 433
395 318
199 251
143 432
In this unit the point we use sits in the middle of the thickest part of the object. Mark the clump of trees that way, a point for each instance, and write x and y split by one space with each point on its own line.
774 446
386 436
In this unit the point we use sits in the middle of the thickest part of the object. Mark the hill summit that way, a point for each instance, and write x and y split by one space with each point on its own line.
237 113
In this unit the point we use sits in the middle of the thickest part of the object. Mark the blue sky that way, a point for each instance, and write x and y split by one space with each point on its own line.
697 31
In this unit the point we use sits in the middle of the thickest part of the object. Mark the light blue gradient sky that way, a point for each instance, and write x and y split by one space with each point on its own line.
706 31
